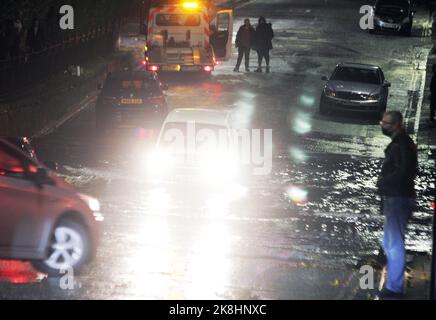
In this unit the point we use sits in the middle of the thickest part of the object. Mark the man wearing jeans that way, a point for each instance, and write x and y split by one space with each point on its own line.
396 185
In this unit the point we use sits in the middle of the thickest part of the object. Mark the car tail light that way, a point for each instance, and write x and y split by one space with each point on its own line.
153 68
208 68
433 205
144 62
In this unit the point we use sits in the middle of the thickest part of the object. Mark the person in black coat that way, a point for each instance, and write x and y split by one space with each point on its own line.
433 94
244 41
36 36
263 42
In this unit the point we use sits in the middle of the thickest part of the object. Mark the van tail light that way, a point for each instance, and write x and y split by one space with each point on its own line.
153 67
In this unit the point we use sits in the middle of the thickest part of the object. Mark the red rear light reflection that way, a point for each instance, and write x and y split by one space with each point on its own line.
146 134
18 272
153 68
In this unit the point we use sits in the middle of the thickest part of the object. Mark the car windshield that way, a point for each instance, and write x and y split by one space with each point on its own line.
176 134
178 20
120 85
356 75
392 7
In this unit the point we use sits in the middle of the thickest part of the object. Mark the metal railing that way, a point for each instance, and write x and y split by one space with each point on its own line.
75 49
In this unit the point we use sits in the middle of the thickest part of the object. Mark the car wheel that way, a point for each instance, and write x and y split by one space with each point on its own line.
408 31
322 108
70 247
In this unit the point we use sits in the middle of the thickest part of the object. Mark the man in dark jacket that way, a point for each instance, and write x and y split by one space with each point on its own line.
433 94
36 36
396 185
263 42
244 41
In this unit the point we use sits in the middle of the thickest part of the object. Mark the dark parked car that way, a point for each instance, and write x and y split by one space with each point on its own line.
42 218
393 15
132 99
355 87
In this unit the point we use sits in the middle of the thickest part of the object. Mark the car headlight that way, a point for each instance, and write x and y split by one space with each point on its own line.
93 204
218 166
374 96
329 92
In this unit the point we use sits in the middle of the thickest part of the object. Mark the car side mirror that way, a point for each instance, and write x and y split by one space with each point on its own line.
387 84
40 177
324 78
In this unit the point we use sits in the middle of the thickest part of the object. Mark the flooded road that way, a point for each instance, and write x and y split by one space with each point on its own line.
300 232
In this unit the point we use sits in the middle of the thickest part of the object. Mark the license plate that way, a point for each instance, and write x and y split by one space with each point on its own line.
131 101
390 25
191 68
171 67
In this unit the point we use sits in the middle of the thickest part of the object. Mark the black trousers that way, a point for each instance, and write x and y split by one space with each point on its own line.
263 54
243 51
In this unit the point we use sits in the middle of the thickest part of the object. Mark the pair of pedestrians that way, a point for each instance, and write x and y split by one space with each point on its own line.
259 39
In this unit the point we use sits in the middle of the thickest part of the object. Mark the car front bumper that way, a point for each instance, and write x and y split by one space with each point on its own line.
381 25
337 104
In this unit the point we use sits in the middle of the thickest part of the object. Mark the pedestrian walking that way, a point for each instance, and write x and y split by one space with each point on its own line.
263 42
244 41
433 95
396 185
17 33
4 47
35 36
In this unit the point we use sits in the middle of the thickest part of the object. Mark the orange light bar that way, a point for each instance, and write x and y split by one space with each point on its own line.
190 5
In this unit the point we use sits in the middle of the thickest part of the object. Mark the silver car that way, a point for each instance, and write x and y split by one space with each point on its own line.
393 15
355 87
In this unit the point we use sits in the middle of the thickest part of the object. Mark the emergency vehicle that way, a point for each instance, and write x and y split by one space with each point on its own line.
187 36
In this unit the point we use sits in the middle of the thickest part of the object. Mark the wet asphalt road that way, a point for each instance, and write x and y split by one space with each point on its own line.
186 242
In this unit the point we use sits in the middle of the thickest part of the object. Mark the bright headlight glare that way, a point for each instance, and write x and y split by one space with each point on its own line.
93 204
160 162
218 165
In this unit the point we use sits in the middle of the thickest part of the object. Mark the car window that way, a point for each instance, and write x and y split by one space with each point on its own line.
175 130
178 20
146 86
382 76
356 75
9 165
392 7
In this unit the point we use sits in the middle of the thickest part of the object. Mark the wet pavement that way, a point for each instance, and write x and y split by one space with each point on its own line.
300 233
